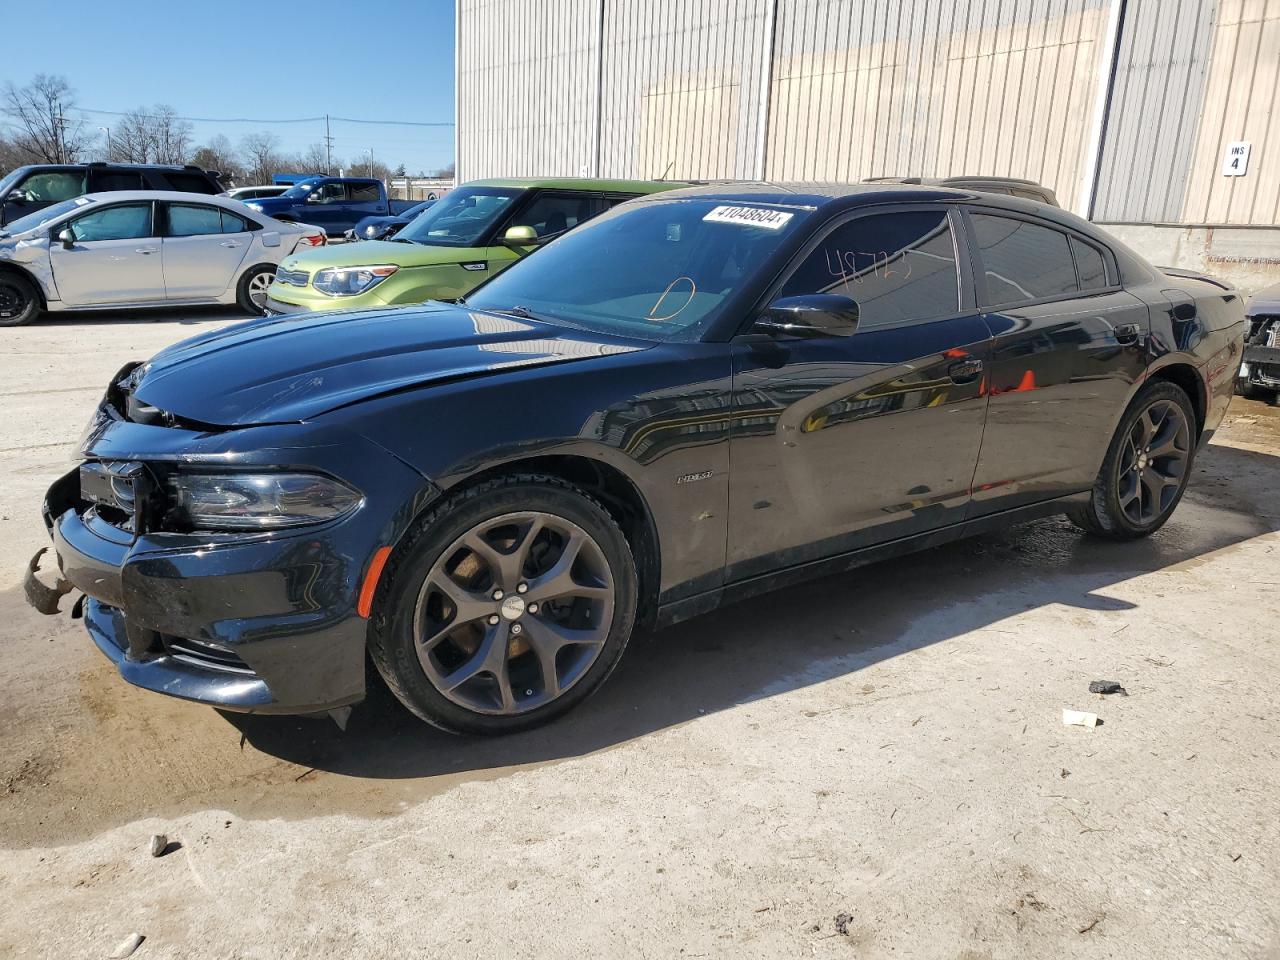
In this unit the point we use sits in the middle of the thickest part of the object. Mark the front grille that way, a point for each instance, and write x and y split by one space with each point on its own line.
294 278
207 655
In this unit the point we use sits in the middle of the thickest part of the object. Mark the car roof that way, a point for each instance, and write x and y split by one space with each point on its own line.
816 195
579 183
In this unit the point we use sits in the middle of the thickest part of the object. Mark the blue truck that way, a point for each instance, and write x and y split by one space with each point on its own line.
334 204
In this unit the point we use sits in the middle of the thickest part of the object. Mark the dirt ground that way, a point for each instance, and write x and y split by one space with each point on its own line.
873 765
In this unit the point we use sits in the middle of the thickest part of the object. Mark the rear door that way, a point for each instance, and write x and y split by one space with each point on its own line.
115 257
203 248
1069 343
327 207
364 200
844 442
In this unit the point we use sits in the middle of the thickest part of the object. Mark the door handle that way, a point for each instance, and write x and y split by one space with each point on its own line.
229 243
965 371
145 250
1128 333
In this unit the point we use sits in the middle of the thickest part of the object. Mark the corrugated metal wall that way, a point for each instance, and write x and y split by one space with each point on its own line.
860 88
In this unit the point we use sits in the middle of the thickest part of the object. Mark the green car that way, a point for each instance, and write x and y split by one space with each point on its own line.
471 233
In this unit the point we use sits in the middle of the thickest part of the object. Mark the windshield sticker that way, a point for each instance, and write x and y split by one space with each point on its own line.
749 216
81 201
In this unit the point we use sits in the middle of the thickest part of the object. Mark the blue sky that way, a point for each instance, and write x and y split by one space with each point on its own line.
392 60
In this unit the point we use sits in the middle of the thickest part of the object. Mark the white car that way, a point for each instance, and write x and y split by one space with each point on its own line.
253 193
139 248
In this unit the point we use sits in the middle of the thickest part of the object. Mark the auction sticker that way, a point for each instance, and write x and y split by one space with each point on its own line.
750 216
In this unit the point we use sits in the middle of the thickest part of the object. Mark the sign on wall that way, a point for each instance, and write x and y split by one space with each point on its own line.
1235 162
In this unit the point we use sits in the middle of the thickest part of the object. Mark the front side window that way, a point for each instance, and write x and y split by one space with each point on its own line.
461 217
53 186
128 221
1023 260
551 214
897 266
365 193
658 270
329 193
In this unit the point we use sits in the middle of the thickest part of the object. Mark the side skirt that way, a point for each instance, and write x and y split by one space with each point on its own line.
675 612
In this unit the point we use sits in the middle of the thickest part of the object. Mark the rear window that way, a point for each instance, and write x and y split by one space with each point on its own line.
1023 260
365 193
104 181
1089 265
190 182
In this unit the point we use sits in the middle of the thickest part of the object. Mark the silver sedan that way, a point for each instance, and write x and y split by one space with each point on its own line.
151 248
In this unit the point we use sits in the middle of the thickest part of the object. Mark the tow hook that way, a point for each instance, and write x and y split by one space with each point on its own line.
45 588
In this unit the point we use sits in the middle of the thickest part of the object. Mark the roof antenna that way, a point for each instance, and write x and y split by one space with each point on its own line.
668 170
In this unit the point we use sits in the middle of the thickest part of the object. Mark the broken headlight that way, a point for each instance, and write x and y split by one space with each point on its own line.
258 501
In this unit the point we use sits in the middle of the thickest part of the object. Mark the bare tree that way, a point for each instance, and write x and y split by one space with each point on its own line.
446 173
218 154
172 135
10 155
260 155
44 132
151 135
314 160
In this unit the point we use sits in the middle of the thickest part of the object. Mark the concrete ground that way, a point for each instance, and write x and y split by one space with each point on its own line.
870 766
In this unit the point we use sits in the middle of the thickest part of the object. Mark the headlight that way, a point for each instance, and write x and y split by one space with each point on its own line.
371 230
348 281
258 501
253 206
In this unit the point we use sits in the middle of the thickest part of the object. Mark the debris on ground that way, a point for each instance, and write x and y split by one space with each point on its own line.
1092 923
1107 686
127 946
44 588
159 842
1079 718
842 923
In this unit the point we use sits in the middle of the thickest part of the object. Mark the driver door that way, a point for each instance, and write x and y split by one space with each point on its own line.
115 257
845 442
326 207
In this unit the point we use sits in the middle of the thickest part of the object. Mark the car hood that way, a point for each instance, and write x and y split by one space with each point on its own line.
295 367
1265 302
372 252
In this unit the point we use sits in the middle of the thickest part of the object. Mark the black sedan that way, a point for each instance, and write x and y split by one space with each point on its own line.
693 398
379 228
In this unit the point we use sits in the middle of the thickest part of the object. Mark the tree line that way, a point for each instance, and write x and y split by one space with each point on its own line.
43 127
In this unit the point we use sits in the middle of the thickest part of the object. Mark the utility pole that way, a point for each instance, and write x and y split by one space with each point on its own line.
369 151
328 148
107 131
60 135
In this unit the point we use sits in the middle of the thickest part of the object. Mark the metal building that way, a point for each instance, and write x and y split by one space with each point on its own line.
1154 117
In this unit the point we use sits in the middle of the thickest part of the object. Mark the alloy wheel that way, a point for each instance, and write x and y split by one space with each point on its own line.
514 613
259 283
1153 462
13 302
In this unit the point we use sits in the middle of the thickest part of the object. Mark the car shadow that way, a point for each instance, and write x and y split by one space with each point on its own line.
185 316
806 635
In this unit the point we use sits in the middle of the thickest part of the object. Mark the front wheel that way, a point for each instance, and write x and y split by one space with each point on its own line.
19 300
251 295
1146 468
508 605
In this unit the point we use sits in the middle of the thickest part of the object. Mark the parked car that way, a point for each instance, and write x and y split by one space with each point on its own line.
136 248
379 228
334 203
27 189
244 194
1260 371
472 233
1005 186
693 398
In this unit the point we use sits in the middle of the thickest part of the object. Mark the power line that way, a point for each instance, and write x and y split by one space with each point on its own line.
152 116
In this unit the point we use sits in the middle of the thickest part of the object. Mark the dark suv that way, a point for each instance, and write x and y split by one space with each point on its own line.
30 188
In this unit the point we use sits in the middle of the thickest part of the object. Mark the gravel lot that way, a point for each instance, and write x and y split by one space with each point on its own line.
869 766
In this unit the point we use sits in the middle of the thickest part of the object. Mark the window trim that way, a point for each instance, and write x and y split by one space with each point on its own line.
965 292
167 204
155 221
985 303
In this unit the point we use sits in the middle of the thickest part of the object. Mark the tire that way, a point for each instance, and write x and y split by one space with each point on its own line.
251 292
1137 490
1252 391
19 299
450 662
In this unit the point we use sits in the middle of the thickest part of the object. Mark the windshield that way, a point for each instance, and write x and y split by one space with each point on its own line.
659 270
302 189
10 179
33 221
460 217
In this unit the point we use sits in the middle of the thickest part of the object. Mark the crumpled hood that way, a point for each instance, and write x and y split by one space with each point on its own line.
1265 302
291 368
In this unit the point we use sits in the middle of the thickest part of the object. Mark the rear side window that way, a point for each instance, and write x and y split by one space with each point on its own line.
190 220
365 193
189 182
1089 265
897 266
104 181
1022 260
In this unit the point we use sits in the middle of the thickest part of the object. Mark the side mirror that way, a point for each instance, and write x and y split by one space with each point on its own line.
811 315
520 236
20 197
67 238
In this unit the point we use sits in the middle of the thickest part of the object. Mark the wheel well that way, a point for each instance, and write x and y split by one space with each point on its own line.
26 275
1185 376
617 494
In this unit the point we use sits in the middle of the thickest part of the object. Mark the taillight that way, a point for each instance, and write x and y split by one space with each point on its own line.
316 241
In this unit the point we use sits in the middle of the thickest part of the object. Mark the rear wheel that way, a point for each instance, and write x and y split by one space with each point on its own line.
507 606
251 295
19 300
1146 468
